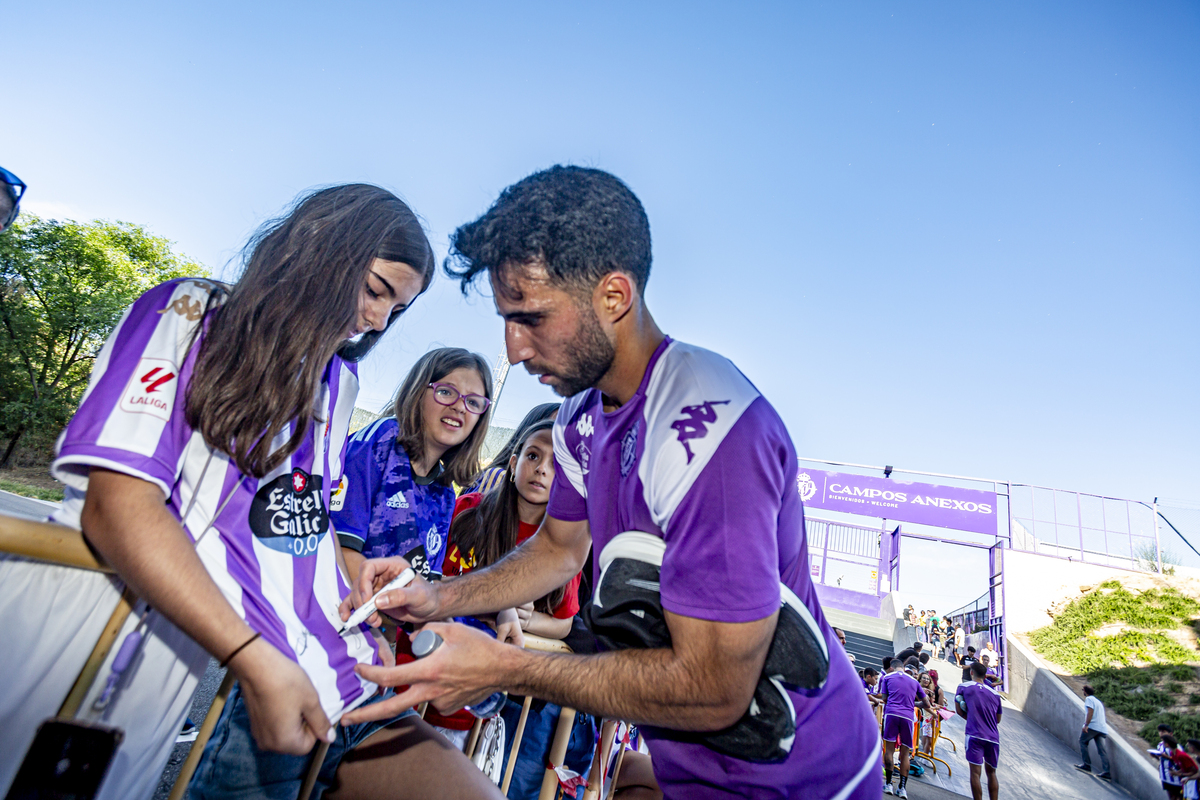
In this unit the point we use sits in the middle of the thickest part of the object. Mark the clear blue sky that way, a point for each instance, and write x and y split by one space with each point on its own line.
951 237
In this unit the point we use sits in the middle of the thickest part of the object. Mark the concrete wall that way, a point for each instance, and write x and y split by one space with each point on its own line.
1045 699
1033 582
847 600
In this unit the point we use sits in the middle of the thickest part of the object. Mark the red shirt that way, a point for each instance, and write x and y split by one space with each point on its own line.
457 563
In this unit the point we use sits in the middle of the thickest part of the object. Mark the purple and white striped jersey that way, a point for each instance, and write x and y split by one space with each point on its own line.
699 458
267 542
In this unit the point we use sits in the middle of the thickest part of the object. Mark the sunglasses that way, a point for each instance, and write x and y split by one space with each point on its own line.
446 395
17 191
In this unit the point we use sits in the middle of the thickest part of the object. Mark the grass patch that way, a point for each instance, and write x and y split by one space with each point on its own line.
52 495
1139 672
1186 726
1071 640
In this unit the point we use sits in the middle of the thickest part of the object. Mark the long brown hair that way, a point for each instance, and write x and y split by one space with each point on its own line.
490 529
265 349
461 462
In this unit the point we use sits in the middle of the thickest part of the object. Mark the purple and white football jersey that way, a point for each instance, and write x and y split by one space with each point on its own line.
903 691
700 459
267 543
984 707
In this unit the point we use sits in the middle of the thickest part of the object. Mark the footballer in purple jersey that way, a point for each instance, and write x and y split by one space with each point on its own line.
981 706
901 694
670 466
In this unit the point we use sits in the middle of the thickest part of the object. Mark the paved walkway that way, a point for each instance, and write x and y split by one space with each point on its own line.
14 505
1033 764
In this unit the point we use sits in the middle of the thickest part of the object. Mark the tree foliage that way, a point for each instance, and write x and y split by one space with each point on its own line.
63 288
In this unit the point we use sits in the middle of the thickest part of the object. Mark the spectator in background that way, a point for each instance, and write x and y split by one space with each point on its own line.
990 674
495 471
909 652
11 192
1191 788
960 644
965 662
910 616
992 656
1172 763
1095 727
922 635
870 679
841 636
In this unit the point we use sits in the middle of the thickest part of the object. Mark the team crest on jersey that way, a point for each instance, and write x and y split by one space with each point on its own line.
629 449
433 540
584 454
288 514
806 485
693 424
151 389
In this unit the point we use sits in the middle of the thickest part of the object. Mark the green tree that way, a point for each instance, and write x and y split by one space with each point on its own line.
63 288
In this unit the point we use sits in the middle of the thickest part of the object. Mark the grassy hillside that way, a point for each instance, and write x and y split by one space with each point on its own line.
1137 649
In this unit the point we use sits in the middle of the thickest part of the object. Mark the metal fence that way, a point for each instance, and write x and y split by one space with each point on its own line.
974 616
1084 527
846 556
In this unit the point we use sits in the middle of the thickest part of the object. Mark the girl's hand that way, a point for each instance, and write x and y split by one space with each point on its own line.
525 614
508 627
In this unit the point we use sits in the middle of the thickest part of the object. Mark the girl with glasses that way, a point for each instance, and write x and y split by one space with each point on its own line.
397 496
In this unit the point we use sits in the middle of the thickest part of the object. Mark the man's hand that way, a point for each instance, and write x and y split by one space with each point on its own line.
373 575
453 676
509 628
285 712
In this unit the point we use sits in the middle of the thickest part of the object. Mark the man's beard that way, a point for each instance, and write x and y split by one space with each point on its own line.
593 356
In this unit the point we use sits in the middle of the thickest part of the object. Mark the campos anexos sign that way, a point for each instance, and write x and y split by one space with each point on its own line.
924 503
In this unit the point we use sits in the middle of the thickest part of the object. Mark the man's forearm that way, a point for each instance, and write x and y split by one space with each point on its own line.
645 687
532 570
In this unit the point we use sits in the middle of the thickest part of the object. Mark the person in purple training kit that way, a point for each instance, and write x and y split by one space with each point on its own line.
669 461
902 695
979 704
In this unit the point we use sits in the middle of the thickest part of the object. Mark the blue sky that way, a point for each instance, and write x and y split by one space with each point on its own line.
959 238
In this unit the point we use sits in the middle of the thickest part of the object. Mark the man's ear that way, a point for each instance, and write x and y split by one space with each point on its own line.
614 296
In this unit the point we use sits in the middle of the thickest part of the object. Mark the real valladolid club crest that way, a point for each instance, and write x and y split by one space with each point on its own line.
807 487
629 450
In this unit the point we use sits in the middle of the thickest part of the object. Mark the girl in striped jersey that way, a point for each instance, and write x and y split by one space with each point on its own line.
200 465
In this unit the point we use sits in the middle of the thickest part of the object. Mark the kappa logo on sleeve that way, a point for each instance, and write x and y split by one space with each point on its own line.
694 424
151 389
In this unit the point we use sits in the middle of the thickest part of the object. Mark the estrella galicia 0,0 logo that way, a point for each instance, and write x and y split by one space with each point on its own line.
289 515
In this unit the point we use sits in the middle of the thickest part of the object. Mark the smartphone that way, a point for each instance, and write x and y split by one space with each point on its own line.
67 761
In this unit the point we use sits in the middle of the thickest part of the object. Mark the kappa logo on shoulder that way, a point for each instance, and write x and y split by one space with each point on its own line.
186 307
151 389
694 422
584 425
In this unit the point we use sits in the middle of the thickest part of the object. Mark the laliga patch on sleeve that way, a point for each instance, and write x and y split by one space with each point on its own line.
339 496
151 389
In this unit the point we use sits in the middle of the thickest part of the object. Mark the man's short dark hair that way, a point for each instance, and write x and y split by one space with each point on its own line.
887 662
918 645
978 670
970 649
1194 744
1089 691
1165 727
580 223
924 657
869 671
912 662
1169 741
